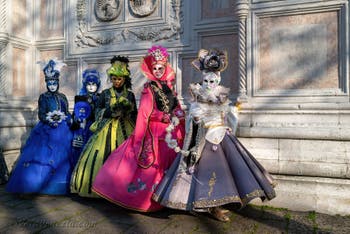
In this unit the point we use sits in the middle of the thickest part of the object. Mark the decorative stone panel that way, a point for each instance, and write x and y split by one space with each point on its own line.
51 19
216 9
19 72
189 75
130 24
298 50
20 17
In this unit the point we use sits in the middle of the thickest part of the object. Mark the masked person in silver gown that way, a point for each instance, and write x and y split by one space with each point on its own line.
213 168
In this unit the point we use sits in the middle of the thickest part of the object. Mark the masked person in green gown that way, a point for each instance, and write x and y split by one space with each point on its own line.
115 120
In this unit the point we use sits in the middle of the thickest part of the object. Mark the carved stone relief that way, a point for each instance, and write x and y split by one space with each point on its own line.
143 8
129 33
107 10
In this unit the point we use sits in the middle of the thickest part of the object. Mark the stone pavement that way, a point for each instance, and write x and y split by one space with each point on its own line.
73 214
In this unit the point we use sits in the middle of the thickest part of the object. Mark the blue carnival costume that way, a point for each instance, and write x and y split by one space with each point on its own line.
84 112
44 164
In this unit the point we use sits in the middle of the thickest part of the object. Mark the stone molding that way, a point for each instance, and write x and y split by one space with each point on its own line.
301 157
324 195
296 121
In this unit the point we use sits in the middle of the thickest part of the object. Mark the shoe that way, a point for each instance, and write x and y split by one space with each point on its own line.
220 214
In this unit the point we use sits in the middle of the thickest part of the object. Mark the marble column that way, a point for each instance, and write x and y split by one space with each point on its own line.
242 10
4 39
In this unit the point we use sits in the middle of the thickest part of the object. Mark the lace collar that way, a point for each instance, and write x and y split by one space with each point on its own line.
217 96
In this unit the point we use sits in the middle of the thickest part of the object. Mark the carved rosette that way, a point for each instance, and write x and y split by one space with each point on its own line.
170 31
143 8
107 10
242 11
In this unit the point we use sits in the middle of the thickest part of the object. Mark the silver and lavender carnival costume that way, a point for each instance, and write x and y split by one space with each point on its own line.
213 168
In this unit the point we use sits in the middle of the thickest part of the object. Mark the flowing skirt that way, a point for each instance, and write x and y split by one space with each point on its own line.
226 173
122 181
95 152
44 164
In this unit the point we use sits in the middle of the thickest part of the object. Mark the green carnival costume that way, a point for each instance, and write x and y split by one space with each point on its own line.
115 121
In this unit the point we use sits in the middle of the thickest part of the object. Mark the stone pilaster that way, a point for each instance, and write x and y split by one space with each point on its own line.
4 38
242 11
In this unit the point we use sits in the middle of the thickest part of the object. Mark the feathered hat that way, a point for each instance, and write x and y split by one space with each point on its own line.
119 67
157 55
52 68
213 60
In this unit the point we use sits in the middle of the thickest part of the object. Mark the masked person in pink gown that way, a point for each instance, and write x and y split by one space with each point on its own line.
132 172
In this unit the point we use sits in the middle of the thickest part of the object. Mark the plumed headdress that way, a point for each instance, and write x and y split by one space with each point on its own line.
157 55
213 60
119 67
52 69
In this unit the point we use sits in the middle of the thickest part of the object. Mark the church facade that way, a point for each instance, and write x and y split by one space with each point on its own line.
288 65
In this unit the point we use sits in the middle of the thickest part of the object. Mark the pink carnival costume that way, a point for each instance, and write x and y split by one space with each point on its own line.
132 172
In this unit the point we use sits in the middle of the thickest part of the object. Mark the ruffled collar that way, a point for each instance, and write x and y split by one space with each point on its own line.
218 95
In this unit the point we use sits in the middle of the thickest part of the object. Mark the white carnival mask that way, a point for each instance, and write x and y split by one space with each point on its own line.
210 80
158 70
52 85
91 87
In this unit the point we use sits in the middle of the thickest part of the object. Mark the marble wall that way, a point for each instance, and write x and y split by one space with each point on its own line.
299 51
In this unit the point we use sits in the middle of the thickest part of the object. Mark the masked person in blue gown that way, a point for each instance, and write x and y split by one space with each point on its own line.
44 164
84 112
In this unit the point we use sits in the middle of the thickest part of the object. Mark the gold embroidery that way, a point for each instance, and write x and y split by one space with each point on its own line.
212 182
163 98
175 205
171 204
256 193
217 202
213 125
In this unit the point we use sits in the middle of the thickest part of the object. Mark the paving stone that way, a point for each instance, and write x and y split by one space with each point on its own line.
107 227
74 214
332 224
6 222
